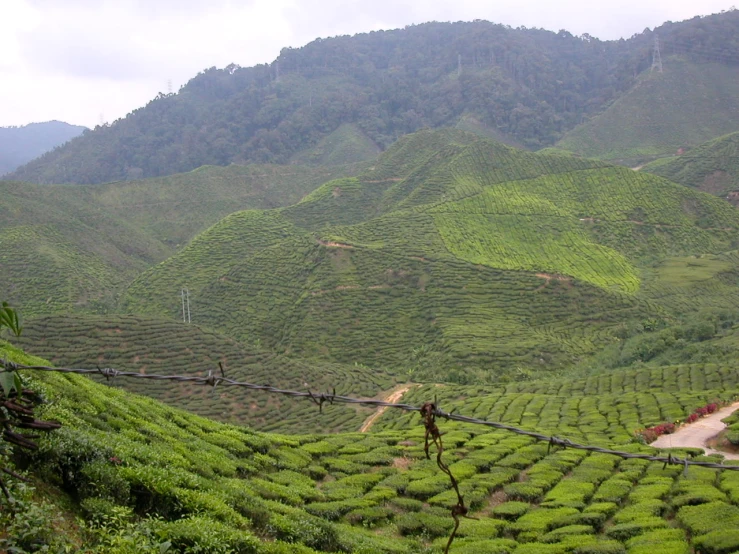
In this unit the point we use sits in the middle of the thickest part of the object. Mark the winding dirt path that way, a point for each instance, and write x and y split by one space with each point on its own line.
695 435
394 397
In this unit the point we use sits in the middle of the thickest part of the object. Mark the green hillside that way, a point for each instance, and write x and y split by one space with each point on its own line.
149 478
452 256
163 346
73 248
347 144
712 167
689 103
56 259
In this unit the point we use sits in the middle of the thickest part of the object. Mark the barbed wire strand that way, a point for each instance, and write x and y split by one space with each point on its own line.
214 380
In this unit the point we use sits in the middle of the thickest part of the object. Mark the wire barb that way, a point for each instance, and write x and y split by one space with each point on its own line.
334 398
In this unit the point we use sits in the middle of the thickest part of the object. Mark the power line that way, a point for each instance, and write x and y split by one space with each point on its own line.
214 380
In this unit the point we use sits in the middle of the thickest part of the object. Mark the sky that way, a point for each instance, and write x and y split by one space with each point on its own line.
92 61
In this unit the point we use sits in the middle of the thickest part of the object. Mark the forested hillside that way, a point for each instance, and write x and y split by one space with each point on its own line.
19 145
526 86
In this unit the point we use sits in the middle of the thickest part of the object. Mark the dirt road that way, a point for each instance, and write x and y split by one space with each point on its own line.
695 435
394 397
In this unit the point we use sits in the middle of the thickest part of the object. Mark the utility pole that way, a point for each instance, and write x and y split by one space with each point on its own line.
656 56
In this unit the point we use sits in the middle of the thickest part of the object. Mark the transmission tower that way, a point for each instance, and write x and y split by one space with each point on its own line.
459 64
185 294
169 86
656 56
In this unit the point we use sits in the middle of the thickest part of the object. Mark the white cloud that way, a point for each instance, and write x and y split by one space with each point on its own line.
73 60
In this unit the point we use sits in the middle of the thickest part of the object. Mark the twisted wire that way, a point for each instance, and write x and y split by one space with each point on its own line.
214 380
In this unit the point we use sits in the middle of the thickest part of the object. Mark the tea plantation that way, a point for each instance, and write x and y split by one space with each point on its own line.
151 478
485 257
133 343
712 167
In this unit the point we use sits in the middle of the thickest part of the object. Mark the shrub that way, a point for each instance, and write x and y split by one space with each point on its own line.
558 534
511 510
299 526
102 479
607 508
601 547
523 491
426 524
720 541
704 518
625 531
371 516
201 534
472 546
336 509
482 528
359 541
407 504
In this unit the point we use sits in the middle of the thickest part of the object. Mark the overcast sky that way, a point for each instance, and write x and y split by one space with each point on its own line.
83 60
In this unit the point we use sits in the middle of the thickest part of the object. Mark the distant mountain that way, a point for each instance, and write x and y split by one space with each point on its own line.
527 87
665 113
712 167
19 145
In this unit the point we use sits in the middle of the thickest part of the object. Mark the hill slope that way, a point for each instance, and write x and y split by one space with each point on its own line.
527 86
712 167
169 479
688 104
19 145
452 252
164 346
72 248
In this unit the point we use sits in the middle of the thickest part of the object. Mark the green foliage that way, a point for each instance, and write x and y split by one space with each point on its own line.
527 86
680 108
712 167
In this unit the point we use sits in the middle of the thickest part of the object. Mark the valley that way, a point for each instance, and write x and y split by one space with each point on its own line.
374 297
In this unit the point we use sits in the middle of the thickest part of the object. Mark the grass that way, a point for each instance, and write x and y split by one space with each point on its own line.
661 115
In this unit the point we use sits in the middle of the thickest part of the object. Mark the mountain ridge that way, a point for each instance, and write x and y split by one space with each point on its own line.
527 86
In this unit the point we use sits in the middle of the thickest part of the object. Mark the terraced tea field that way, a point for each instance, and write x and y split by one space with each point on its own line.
232 488
712 167
67 248
480 257
166 347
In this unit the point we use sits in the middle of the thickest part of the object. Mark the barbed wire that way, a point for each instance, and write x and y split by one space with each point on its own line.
215 380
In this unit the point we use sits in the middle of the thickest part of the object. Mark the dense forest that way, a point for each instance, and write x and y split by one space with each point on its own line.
529 85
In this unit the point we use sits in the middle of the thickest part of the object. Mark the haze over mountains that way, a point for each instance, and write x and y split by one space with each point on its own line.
19 145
